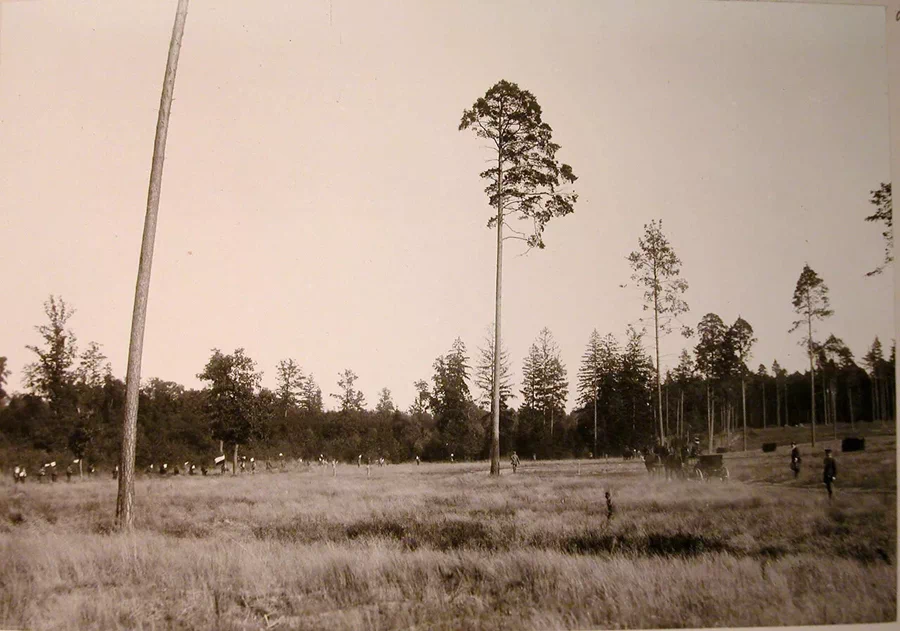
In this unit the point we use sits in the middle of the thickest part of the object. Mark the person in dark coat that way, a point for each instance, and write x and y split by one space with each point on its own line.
795 459
829 473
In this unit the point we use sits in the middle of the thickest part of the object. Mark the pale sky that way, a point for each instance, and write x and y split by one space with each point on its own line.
319 203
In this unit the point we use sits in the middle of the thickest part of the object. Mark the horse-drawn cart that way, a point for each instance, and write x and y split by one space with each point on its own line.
710 466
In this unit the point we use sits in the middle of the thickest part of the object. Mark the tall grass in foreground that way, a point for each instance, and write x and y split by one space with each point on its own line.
445 547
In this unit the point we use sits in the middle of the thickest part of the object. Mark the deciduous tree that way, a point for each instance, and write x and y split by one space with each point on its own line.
349 398
231 399
52 376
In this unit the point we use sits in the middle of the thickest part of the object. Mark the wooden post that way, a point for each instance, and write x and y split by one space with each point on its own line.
125 498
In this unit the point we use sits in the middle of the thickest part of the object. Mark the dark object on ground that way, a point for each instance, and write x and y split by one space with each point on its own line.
710 466
721 450
853 444
769 447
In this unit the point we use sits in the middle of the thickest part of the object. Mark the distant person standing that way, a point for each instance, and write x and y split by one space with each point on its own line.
69 473
829 473
514 461
418 462
795 459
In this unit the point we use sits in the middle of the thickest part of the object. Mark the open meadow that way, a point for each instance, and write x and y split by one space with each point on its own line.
444 546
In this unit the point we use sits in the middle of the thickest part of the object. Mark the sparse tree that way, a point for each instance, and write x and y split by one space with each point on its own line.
589 375
881 199
810 303
524 184
351 399
741 334
484 374
657 269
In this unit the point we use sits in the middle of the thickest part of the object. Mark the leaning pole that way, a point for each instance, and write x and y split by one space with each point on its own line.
125 498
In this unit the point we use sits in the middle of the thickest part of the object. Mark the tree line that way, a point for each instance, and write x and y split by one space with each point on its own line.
73 404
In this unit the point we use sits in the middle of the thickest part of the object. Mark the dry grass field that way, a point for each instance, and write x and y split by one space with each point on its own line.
443 546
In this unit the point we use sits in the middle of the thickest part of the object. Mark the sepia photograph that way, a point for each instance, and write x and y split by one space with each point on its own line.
396 314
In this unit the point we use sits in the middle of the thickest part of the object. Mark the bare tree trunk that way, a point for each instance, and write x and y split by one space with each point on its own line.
595 423
850 401
812 374
667 410
833 410
662 431
744 405
777 404
495 395
787 419
125 498
764 404
873 391
234 461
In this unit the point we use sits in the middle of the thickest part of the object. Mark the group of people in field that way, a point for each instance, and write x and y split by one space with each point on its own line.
829 468
45 472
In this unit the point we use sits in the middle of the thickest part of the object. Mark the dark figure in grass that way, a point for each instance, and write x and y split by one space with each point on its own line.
514 461
795 459
829 473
